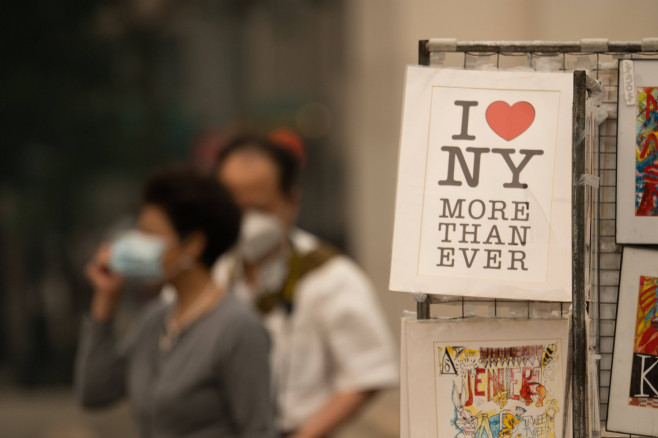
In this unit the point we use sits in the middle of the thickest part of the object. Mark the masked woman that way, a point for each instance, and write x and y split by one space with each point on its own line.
197 367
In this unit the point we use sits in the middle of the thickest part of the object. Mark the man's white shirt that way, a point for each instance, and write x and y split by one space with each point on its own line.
334 340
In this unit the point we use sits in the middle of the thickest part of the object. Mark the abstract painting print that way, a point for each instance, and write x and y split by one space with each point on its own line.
646 153
633 400
644 373
636 196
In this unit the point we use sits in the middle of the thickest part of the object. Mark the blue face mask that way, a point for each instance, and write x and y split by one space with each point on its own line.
138 255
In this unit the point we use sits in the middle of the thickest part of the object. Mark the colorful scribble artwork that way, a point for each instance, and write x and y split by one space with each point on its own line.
646 152
514 391
644 371
633 394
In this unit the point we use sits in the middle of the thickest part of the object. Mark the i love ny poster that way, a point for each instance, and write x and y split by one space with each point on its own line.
484 185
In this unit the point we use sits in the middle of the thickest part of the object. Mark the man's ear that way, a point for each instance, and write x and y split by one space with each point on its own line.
195 244
295 197
294 200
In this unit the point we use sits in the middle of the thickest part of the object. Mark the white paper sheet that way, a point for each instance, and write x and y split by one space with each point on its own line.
484 185
484 378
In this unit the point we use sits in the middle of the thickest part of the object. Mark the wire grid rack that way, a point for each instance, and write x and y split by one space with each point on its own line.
596 282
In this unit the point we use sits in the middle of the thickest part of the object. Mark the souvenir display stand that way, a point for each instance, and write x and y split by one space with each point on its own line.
595 253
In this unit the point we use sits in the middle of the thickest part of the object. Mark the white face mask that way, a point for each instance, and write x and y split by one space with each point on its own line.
260 234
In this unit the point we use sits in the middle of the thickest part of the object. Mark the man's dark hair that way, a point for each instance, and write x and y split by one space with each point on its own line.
194 202
287 163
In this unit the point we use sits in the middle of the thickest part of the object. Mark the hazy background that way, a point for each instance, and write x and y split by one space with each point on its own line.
94 94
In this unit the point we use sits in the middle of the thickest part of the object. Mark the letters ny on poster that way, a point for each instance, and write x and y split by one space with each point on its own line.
484 185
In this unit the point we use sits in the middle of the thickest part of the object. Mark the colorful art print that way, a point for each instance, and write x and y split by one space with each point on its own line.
484 185
633 402
646 152
637 153
644 373
484 378
501 392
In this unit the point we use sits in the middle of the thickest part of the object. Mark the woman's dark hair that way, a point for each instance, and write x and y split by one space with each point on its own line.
194 202
285 160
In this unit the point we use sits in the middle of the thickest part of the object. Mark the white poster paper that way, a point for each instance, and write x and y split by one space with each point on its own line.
484 185
484 378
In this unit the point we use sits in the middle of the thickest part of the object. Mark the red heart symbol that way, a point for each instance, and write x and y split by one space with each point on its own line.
510 121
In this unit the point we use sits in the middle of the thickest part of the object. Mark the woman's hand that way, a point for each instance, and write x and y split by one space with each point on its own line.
108 285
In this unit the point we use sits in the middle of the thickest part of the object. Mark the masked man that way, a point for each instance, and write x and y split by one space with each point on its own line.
331 349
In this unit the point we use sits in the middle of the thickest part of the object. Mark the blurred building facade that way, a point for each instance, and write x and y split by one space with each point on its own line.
99 94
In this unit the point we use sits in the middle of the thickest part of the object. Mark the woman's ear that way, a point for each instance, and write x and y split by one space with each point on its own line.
194 245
